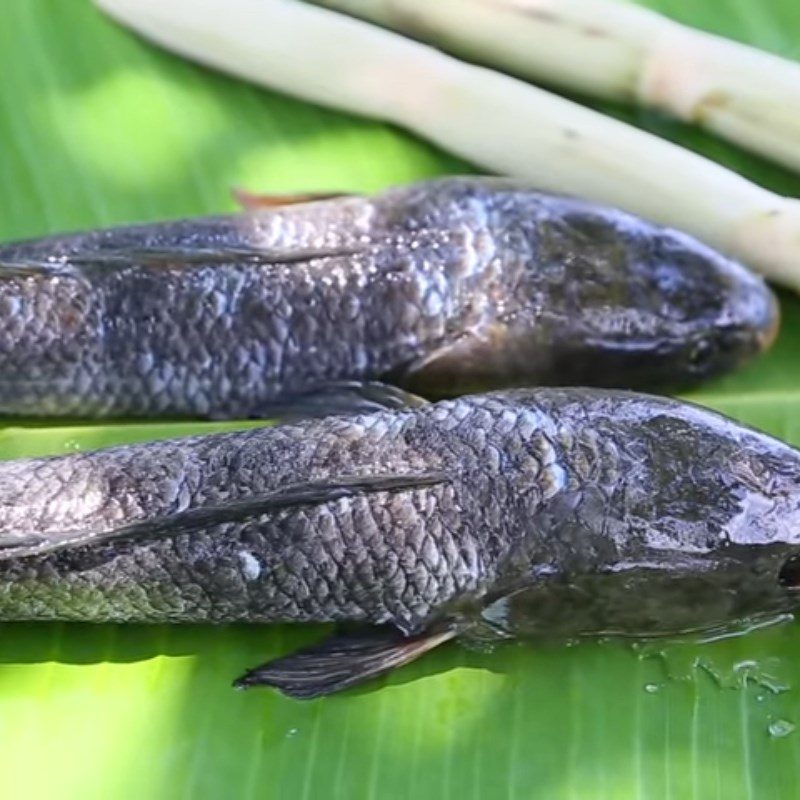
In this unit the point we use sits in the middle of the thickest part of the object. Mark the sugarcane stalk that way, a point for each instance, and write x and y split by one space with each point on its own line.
619 51
496 121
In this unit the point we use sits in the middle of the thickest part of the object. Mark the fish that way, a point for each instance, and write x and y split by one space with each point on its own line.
527 513
451 286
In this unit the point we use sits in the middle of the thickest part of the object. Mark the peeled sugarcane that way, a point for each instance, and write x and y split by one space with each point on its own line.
618 51
499 122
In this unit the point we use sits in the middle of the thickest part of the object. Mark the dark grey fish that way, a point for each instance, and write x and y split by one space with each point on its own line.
531 512
455 285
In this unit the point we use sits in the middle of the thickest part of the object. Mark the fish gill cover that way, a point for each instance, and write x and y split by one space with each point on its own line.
99 128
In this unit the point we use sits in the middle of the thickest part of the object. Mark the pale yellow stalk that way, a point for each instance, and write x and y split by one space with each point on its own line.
498 122
619 51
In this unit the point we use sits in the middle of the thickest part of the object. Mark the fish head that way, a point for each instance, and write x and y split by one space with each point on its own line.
699 531
656 309
604 300
755 551
707 313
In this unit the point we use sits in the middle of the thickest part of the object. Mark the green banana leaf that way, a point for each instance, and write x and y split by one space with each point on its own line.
97 127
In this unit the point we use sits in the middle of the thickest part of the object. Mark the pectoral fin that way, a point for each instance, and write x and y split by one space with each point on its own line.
470 362
186 256
340 398
176 257
252 201
20 545
342 661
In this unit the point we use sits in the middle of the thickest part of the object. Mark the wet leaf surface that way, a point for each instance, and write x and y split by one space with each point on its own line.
98 128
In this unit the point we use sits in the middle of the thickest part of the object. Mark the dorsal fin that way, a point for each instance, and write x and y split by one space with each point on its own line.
341 398
253 201
20 545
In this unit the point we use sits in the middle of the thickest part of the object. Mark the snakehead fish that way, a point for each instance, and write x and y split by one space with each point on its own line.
520 513
445 287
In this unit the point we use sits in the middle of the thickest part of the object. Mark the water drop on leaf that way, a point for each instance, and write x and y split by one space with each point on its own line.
779 728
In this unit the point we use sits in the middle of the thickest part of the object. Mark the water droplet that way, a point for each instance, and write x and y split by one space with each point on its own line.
770 673
743 627
779 728
652 688
291 733
684 661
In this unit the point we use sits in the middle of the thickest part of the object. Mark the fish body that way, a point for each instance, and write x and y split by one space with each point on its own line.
521 513
444 287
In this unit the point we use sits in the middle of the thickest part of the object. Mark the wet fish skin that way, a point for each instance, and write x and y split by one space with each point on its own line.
524 513
383 557
444 287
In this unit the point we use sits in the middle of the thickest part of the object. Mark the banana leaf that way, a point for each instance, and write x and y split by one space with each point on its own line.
97 127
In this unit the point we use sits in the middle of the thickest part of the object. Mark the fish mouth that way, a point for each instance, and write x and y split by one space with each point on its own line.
757 315
766 335
789 574
730 347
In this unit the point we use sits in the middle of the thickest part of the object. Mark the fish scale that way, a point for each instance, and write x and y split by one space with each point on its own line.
521 513
441 287
134 489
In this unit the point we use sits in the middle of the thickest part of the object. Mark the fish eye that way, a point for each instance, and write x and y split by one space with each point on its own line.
700 354
789 575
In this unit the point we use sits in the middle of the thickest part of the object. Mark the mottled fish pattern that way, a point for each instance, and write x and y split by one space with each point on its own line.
528 512
454 285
